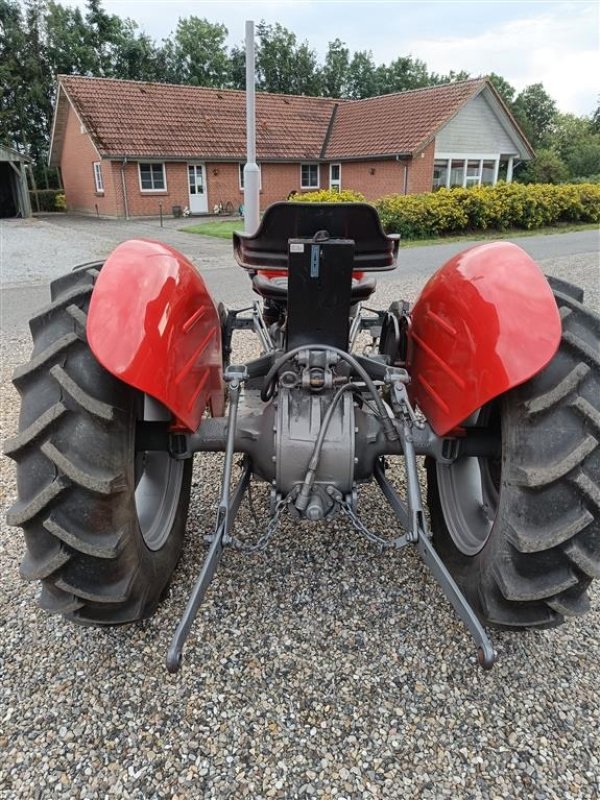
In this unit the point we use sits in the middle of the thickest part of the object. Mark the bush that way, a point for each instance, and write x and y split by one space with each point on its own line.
45 199
546 167
60 202
500 207
330 196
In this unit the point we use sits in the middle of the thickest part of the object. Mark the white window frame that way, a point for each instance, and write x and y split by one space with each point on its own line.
98 179
241 176
311 164
337 183
465 158
153 190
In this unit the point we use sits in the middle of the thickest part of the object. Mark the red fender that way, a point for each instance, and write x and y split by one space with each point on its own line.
484 323
153 324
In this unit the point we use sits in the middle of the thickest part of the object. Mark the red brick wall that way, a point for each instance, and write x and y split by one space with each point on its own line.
374 179
147 204
78 157
420 173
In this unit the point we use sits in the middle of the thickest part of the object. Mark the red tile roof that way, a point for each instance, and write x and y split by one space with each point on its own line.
132 118
157 119
396 124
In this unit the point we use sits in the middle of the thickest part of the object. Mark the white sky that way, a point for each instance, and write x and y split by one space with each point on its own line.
555 43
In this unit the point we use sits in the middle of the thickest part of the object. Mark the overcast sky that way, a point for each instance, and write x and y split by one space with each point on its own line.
556 43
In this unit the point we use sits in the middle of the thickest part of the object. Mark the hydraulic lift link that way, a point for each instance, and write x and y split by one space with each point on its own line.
228 507
412 517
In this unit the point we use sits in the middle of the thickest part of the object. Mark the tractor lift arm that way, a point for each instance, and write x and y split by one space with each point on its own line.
228 507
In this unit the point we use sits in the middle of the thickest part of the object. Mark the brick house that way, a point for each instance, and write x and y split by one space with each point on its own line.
125 147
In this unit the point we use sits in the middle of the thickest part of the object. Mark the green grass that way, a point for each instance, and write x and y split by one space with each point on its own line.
224 228
221 228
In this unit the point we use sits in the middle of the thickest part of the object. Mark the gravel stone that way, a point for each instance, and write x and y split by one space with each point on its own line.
320 669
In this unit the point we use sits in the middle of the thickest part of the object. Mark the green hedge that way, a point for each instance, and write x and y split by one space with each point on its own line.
500 207
330 196
47 200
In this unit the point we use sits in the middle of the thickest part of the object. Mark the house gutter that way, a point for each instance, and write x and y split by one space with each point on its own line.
124 187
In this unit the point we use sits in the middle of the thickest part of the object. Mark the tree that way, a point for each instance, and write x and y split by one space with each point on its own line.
307 74
503 87
546 167
275 58
335 70
535 111
402 74
200 55
13 100
362 76
237 72
595 120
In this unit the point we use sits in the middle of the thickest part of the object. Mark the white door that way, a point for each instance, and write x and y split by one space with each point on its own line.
335 177
197 184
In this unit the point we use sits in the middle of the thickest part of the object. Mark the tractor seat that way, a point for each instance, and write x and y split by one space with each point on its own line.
273 285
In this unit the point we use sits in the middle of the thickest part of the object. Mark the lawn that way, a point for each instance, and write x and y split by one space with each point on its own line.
221 228
224 228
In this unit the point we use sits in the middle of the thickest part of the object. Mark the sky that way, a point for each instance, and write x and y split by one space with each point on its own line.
555 43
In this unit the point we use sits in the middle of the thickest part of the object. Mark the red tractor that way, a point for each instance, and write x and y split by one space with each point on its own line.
493 376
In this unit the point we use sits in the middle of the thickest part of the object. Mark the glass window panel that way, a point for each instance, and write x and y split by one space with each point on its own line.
440 174
457 171
335 172
310 176
158 176
487 173
473 169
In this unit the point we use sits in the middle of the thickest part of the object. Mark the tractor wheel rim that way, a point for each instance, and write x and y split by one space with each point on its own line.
157 497
469 492
158 482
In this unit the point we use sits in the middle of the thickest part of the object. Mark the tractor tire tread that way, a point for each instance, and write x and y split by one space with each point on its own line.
544 549
74 457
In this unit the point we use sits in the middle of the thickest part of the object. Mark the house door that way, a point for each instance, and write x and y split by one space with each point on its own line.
335 177
197 183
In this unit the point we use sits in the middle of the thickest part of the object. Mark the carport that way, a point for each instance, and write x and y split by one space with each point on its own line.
14 195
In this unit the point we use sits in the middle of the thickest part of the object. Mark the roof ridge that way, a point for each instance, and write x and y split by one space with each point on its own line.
203 88
433 86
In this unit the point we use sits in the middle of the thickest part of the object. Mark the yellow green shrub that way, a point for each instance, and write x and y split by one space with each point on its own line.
500 207
330 196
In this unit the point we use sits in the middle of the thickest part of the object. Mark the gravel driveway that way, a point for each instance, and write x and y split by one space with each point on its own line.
321 669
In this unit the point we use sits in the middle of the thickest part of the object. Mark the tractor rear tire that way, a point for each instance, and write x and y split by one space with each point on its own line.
523 541
103 524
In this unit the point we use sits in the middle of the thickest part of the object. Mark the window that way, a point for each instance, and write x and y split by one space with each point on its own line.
335 177
488 172
440 174
457 172
454 169
473 177
309 176
242 177
98 177
152 177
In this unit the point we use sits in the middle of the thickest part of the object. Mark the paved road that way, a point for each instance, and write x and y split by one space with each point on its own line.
34 252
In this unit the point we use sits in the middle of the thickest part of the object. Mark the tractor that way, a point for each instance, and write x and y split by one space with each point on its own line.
493 376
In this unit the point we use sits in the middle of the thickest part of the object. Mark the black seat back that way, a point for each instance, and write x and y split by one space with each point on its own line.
374 251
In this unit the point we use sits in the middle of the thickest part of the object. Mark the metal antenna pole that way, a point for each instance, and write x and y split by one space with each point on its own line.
251 174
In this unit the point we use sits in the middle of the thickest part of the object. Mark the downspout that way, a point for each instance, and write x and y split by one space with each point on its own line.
124 187
405 159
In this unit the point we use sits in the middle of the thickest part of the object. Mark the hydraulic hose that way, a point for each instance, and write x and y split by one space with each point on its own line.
304 495
267 391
